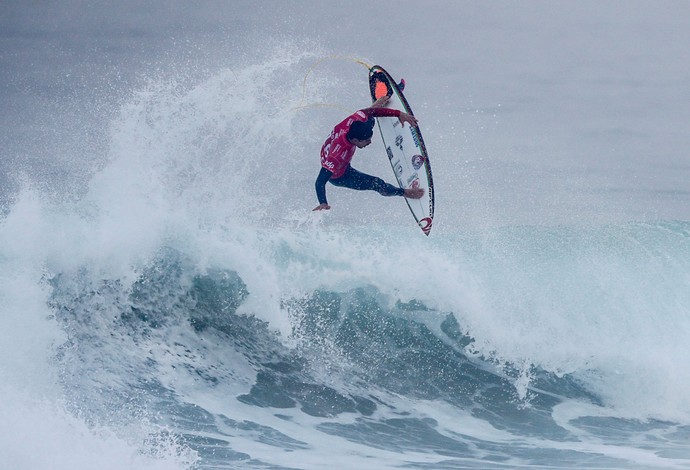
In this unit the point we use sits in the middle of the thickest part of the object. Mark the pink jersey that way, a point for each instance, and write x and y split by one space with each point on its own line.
337 151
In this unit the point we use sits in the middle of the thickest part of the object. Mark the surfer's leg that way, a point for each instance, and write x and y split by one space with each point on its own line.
359 181
385 189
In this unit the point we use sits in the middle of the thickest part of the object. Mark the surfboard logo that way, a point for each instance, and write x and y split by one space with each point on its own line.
415 139
398 169
417 161
398 142
389 152
425 225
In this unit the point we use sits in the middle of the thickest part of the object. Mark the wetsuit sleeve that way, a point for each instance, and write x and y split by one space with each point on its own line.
381 112
321 180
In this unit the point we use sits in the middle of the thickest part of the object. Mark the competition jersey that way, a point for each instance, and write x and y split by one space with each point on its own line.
337 151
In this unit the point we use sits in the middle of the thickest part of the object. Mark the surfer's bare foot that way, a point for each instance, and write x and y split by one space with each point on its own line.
414 193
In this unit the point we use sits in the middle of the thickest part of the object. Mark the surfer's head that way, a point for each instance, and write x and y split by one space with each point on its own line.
360 133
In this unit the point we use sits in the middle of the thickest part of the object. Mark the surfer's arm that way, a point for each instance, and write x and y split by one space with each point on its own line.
388 112
381 102
321 180
381 112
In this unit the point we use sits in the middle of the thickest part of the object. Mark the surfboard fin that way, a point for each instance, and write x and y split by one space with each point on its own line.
401 85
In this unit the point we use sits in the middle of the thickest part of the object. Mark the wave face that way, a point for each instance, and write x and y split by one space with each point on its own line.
185 314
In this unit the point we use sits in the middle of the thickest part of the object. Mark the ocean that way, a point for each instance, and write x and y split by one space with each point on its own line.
168 300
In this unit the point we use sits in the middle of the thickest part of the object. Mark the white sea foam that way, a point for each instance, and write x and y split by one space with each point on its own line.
214 171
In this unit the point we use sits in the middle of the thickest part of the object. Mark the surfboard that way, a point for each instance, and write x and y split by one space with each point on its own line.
404 147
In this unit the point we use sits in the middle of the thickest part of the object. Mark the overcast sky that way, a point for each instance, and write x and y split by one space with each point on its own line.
539 100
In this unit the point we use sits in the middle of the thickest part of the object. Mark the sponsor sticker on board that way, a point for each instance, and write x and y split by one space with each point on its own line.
417 161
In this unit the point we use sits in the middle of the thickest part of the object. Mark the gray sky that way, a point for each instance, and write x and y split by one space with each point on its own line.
535 111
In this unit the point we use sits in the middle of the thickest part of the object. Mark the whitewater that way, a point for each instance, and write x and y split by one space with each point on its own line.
185 308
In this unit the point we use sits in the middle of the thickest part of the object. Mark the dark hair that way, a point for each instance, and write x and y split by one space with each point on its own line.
361 130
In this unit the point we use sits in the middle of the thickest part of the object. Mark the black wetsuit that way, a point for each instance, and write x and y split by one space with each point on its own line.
354 179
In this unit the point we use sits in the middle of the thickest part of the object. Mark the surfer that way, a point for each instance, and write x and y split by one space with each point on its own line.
337 152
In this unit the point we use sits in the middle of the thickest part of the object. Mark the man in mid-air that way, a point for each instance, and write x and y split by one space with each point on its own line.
337 152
